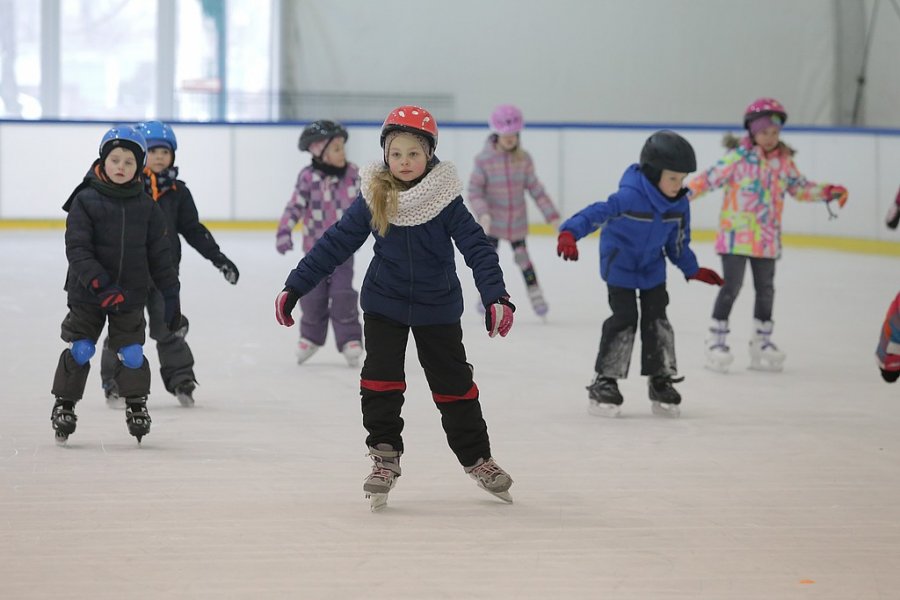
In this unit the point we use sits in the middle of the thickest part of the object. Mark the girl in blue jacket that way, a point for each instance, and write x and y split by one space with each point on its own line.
411 204
647 220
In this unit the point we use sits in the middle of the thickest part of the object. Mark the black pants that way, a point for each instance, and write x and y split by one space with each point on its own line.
86 322
176 361
657 337
733 268
443 357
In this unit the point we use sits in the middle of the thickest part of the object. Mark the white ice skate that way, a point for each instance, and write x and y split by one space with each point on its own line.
352 350
765 355
491 478
537 301
385 471
718 354
305 349
603 409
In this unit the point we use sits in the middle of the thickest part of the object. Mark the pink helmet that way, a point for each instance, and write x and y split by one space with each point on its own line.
764 107
506 119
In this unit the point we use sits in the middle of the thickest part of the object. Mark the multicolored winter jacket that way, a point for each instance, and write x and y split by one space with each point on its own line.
319 201
412 277
888 351
497 187
641 228
750 219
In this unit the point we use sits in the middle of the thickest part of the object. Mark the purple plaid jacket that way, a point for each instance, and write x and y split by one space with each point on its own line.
319 201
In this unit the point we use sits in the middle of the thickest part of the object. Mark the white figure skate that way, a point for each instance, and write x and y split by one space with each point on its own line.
718 354
385 471
352 350
305 349
765 355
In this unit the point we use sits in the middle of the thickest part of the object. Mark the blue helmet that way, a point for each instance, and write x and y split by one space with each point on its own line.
158 134
127 137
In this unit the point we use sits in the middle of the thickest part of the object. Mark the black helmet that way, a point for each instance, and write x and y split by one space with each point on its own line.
668 150
321 130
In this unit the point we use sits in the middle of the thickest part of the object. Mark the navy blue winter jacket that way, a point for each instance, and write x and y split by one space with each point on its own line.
412 277
640 228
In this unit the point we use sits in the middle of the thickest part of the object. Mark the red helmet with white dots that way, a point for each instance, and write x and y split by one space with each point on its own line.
411 119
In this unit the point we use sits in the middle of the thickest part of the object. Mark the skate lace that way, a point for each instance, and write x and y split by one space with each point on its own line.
381 473
488 471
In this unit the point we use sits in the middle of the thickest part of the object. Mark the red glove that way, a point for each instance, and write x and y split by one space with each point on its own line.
566 246
109 296
707 276
284 305
836 193
498 316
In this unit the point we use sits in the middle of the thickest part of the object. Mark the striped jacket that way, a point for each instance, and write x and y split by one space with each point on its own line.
497 187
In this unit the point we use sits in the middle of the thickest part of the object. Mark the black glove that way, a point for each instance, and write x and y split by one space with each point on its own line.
172 310
110 296
228 268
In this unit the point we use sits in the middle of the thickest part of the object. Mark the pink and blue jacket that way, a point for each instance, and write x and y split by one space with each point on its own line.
497 187
755 187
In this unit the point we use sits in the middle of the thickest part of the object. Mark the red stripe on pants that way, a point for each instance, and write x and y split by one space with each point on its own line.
472 394
375 385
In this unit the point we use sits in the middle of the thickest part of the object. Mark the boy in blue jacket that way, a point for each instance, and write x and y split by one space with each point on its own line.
647 220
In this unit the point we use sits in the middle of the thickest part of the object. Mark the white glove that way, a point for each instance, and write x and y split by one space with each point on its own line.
485 222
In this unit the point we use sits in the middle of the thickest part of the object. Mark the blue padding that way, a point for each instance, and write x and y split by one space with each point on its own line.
82 351
132 356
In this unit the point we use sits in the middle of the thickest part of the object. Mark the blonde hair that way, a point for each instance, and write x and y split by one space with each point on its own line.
383 192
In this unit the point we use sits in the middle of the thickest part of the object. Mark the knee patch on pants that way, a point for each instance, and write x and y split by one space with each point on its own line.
82 351
132 356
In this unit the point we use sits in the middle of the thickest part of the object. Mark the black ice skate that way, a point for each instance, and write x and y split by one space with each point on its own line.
63 419
136 417
604 398
184 391
664 399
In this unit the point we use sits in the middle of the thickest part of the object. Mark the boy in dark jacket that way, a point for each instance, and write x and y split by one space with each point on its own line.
647 220
115 243
176 362
411 204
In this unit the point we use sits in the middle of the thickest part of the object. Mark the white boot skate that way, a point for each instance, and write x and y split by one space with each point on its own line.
764 355
305 349
352 350
537 300
491 478
385 471
718 354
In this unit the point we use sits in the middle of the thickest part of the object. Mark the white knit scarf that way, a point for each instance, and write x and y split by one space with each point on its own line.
425 200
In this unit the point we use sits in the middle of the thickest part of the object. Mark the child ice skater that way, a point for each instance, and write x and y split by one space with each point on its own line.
645 222
503 172
117 249
888 352
756 173
324 190
176 361
411 205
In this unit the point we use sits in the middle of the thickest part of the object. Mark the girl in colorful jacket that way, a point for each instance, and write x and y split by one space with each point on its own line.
324 190
756 174
645 222
888 351
412 206
502 173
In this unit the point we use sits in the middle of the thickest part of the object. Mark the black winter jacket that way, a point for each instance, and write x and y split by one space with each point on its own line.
122 238
182 218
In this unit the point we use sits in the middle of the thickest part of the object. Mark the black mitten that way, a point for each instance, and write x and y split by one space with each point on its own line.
228 268
172 310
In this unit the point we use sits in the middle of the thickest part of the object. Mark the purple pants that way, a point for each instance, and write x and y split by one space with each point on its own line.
336 299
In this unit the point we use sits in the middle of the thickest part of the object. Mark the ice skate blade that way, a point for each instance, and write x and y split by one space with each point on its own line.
377 502
62 439
665 409
185 400
505 496
604 409
717 367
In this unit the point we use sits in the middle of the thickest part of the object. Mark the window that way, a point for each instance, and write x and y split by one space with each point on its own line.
20 59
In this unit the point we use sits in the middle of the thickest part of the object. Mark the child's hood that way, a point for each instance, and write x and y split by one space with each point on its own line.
635 180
